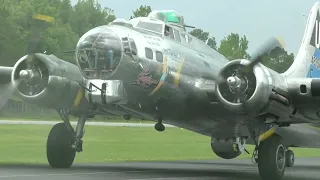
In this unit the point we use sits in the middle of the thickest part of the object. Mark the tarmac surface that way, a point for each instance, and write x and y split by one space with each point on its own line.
177 170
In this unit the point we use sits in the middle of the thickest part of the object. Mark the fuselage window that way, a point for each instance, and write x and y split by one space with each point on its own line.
166 31
176 35
154 27
182 37
159 56
188 38
171 35
149 53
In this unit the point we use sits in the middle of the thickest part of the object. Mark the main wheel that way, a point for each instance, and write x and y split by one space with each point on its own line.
272 158
289 158
60 154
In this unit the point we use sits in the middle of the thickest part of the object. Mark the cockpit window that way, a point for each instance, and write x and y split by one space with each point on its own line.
154 27
168 31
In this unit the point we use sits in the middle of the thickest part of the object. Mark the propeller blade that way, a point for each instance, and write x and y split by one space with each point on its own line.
40 23
266 48
6 93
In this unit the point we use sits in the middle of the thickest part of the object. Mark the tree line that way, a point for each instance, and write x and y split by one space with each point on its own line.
71 22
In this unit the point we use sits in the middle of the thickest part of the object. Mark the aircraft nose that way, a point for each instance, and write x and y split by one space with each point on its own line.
98 53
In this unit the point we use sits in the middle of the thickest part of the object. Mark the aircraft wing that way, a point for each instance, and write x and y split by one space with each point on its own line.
5 70
298 135
5 74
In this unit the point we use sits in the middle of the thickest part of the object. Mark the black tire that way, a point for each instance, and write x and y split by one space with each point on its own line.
269 153
289 158
60 154
159 127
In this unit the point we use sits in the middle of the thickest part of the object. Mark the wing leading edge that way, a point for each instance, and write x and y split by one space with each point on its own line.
5 74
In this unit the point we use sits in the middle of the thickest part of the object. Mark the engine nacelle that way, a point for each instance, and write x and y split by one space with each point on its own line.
49 81
228 148
255 89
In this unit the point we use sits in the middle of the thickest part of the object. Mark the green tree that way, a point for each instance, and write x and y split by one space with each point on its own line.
278 60
58 37
234 47
89 14
11 36
204 36
70 23
142 11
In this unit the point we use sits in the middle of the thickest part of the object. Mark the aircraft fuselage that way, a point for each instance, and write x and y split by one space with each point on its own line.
174 83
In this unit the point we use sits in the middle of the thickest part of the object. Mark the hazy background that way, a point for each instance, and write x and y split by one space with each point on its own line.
257 19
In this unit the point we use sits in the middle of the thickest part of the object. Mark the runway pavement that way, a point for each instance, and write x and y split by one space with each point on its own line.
179 170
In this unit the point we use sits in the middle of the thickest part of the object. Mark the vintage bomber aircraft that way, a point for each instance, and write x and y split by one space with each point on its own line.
151 68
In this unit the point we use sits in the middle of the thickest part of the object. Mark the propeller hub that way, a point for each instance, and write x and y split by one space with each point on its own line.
31 77
234 81
25 74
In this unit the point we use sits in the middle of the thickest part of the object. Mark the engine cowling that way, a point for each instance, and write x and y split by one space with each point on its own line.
49 82
255 87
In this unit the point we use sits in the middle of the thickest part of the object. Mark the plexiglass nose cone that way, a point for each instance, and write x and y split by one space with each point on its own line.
98 52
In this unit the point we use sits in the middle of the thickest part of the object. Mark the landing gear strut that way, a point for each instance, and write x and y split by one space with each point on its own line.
159 126
63 142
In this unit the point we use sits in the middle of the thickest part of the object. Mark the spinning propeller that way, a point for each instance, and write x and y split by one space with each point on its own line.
237 79
31 73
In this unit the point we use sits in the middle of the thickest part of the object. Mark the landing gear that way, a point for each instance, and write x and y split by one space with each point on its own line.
63 142
60 154
159 126
289 158
272 158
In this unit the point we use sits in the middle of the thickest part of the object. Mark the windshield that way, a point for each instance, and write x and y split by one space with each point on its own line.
154 27
98 52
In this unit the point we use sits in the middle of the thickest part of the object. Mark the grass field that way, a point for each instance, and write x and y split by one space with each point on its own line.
26 144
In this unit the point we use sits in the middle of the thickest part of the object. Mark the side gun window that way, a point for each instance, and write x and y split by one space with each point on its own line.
159 56
149 53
